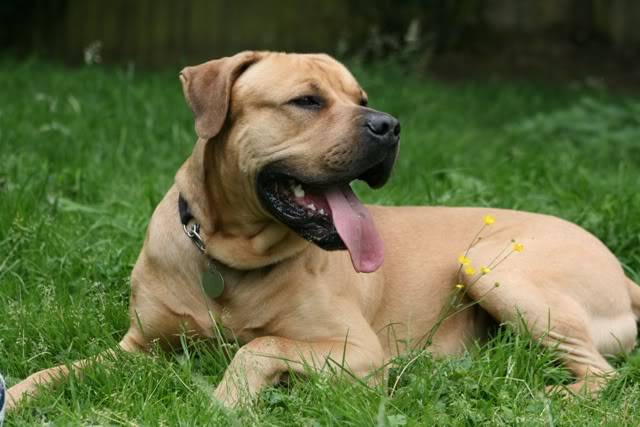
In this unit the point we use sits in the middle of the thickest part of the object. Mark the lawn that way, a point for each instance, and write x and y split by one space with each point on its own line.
88 152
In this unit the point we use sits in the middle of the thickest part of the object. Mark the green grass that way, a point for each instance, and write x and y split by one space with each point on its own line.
87 153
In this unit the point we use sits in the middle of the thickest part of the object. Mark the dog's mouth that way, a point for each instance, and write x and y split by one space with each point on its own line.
327 213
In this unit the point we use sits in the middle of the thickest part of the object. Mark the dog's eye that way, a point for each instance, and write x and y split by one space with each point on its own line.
308 101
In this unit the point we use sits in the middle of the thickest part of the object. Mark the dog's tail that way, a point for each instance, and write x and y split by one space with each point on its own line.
634 292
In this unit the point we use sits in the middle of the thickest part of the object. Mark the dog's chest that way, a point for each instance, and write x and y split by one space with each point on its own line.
242 313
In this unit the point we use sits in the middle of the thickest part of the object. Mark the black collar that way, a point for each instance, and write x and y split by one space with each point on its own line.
212 281
192 232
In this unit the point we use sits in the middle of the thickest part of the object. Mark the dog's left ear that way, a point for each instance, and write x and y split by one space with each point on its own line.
207 89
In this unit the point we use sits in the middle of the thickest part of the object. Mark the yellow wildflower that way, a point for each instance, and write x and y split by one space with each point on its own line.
518 247
469 271
463 260
460 286
485 270
489 219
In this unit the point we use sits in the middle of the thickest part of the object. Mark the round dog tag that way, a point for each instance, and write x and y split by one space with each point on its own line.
212 282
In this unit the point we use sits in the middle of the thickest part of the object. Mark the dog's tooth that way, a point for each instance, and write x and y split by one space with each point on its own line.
321 211
312 207
298 191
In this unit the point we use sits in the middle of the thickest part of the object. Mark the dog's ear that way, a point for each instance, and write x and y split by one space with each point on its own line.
207 89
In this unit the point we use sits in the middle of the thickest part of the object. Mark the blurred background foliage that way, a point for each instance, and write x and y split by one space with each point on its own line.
557 39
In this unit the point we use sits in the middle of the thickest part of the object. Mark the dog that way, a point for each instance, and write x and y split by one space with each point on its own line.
262 240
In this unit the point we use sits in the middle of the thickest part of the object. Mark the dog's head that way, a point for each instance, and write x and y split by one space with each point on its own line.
286 134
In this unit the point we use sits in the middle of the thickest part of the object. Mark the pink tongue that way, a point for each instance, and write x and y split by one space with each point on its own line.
356 228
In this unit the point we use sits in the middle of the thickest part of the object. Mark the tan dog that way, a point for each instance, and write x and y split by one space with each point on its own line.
280 137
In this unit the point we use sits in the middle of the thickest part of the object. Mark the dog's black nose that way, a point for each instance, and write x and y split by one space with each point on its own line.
383 126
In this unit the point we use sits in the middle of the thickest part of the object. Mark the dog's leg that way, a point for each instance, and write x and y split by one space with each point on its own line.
634 293
262 361
151 320
558 320
52 375
583 359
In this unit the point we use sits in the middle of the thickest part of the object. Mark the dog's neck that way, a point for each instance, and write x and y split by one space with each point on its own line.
235 232
269 245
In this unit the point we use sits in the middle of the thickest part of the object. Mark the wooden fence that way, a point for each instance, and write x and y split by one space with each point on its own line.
157 32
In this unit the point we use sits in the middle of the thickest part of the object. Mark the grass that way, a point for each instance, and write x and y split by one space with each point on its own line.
87 153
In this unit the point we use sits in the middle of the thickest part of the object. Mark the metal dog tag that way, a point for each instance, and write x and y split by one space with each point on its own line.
212 282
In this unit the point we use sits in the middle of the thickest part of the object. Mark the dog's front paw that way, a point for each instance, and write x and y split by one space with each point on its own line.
227 395
587 387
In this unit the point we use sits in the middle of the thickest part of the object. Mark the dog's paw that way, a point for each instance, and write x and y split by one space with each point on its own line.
558 390
580 388
227 397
